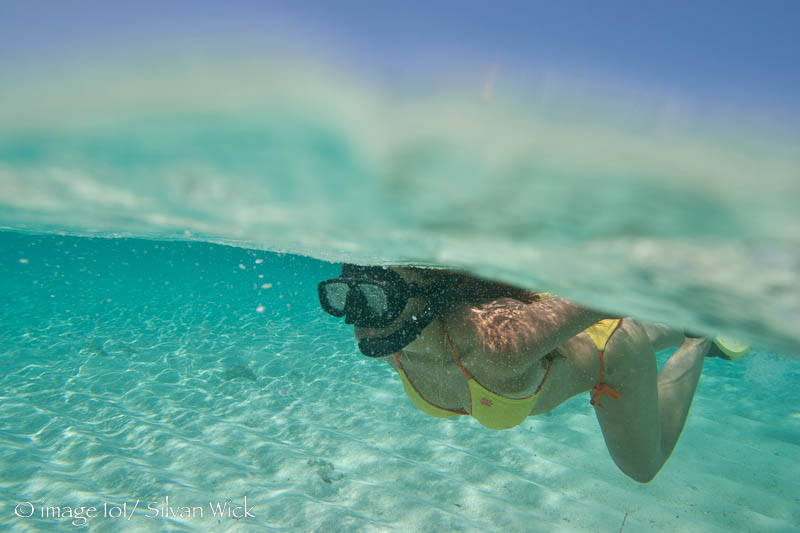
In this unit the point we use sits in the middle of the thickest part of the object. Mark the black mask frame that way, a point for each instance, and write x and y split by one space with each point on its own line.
439 295
365 284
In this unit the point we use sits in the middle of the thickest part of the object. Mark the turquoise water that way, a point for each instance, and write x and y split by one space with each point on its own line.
632 205
138 369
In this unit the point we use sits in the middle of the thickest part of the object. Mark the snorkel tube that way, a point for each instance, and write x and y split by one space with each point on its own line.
383 346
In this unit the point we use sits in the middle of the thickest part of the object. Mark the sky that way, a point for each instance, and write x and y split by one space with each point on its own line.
732 54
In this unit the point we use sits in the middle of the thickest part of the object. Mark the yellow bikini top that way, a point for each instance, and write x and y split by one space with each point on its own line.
489 408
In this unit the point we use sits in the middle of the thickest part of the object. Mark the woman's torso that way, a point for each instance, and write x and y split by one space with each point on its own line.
430 365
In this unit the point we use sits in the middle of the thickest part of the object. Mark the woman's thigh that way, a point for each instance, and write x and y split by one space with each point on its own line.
631 425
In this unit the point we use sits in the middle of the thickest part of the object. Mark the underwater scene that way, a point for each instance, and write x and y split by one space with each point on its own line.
177 179
155 380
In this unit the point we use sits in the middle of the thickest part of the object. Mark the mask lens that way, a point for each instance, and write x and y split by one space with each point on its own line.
369 299
336 296
375 297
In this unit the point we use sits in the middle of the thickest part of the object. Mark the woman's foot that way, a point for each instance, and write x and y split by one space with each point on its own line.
722 346
728 348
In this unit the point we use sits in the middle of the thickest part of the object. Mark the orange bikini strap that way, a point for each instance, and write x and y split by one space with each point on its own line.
601 388
453 349
547 373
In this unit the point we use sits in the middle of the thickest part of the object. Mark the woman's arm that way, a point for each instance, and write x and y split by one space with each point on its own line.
510 328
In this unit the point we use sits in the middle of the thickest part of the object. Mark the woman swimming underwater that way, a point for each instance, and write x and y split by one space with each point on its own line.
465 346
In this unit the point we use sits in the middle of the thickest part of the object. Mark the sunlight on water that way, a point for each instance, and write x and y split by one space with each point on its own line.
654 214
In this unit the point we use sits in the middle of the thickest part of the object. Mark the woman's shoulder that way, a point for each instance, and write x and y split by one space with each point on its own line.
490 313
506 316
499 329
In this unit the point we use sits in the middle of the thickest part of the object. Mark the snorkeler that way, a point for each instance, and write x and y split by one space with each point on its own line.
465 346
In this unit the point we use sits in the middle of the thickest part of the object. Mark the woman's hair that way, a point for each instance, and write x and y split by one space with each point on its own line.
475 290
